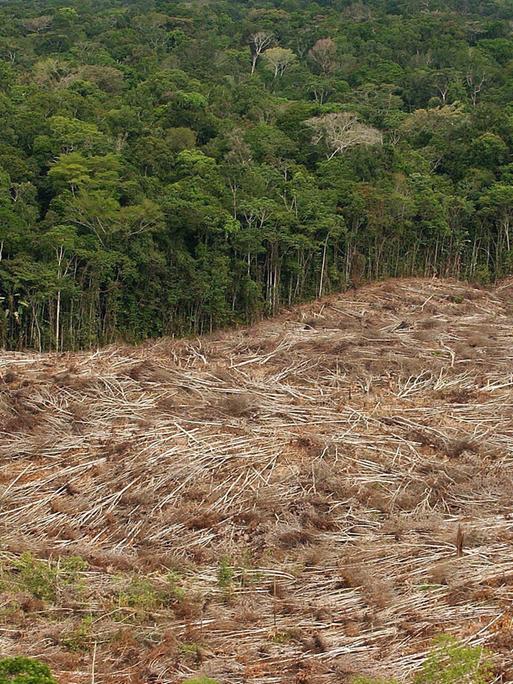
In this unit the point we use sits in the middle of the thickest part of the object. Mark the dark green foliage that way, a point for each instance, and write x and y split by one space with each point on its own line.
24 671
160 173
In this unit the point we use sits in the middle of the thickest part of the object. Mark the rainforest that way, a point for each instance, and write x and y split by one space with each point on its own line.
168 168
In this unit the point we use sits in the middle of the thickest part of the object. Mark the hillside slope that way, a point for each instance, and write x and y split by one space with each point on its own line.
316 496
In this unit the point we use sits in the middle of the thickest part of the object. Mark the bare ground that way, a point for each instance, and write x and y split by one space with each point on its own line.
311 498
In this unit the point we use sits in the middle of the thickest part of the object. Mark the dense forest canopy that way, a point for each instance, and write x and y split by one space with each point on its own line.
171 166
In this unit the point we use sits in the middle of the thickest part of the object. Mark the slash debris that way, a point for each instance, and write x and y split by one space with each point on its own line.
314 497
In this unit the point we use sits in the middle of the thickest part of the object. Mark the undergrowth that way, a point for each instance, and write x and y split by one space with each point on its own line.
449 663
24 671
43 579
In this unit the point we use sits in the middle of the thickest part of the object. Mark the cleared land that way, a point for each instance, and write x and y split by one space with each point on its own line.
316 496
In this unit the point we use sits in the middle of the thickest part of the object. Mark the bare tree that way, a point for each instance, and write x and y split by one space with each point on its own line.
302 39
339 131
38 24
442 84
259 42
475 83
278 59
478 70
324 54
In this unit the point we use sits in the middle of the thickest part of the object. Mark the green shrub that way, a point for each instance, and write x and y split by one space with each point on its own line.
141 594
449 663
71 567
37 577
24 671
174 591
455 663
225 574
81 637
201 680
191 651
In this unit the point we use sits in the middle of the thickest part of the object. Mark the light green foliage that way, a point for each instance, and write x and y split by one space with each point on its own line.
189 648
454 663
225 574
280 637
44 579
24 671
73 134
71 575
146 594
37 577
193 101
140 593
450 662
173 589
191 652
72 566
278 59
201 680
81 637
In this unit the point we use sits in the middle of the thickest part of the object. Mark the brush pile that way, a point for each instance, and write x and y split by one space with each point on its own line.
315 497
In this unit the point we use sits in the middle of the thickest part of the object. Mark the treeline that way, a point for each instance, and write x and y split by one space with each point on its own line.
167 167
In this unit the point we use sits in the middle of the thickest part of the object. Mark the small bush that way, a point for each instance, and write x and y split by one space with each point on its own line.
24 671
192 652
174 590
225 574
453 663
70 573
147 594
141 594
80 638
37 577
449 663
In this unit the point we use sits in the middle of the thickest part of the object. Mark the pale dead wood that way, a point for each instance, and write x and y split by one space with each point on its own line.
356 475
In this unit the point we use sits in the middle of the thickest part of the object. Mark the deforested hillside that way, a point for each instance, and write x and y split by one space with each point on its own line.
306 500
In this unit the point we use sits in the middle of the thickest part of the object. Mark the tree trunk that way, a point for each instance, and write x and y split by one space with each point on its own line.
323 266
